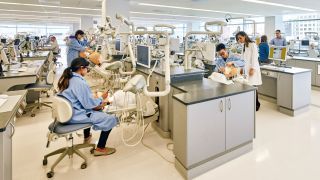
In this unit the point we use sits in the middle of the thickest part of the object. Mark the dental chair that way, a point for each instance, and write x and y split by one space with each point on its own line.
62 113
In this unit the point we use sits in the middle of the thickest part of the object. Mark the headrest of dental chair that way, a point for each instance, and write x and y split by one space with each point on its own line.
135 84
62 109
113 65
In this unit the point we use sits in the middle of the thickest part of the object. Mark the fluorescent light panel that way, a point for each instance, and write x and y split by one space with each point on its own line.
21 19
193 9
48 12
160 19
29 15
50 6
173 15
279 5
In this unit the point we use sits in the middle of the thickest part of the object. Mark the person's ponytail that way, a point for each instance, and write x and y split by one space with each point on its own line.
76 64
63 82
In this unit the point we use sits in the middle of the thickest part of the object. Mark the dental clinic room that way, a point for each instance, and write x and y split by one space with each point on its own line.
159 90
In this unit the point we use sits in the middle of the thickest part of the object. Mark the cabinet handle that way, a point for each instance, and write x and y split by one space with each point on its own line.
229 106
13 130
221 105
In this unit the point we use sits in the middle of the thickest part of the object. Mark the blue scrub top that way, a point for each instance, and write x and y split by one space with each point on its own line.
263 52
237 61
81 98
74 48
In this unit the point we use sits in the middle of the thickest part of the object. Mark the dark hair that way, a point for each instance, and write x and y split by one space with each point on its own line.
76 64
264 38
220 47
79 32
247 40
278 30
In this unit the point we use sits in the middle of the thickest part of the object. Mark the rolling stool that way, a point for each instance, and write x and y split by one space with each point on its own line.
62 114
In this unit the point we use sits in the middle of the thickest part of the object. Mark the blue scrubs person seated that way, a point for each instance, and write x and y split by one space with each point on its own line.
86 108
226 60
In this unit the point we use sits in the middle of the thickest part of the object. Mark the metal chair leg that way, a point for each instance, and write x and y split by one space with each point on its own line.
58 151
59 159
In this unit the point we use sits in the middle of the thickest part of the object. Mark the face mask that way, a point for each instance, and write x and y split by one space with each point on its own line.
82 39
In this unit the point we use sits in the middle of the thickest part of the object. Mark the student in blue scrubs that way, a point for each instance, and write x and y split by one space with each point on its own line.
225 58
264 50
75 46
86 108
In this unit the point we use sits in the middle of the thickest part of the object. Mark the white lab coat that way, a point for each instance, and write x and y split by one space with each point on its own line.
250 56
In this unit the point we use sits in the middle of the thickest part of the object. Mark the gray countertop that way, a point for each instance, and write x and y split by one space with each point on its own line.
5 117
206 90
175 71
33 69
38 55
292 70
305 58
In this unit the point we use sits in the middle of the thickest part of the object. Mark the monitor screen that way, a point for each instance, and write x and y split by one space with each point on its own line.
305 42
143 56
118 45
16 42
4 41
153 41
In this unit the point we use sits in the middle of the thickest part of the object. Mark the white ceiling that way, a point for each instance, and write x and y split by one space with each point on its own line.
237 8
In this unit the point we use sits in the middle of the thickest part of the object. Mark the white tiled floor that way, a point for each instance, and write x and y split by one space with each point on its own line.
285 148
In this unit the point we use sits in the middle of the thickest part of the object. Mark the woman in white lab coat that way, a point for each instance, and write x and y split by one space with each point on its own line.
252 68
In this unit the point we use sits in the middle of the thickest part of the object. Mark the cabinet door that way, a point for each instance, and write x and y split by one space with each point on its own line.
205 130
6 154
240 119
317 74
284 90
308 65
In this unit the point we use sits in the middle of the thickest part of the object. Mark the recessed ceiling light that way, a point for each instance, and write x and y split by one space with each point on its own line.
279 5
50 6
194 9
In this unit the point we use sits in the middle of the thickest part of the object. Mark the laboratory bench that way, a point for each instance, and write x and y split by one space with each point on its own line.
213 123
15 76
308 63
8 113
157 83
289 87
35 56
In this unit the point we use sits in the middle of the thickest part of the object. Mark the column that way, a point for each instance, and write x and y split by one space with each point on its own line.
86 22
113 7
75 27
273 23
189 26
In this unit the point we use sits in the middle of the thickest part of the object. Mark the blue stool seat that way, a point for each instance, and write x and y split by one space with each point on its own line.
67 128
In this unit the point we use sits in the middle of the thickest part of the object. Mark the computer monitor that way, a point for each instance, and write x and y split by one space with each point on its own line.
232 38
118 45
305 42
278 53
153 41
4 41
17 42
143 56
